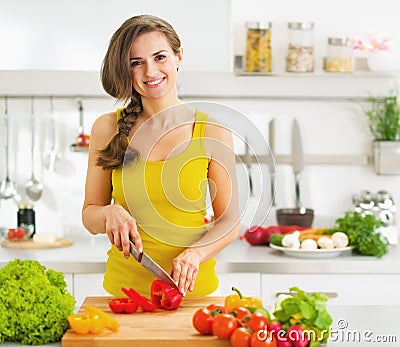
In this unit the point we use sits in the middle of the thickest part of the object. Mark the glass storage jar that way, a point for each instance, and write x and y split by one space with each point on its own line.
258 47
339 55
300 56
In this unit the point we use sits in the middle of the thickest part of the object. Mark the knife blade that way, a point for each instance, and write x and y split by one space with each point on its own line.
152 266
247 159
271 166
297 159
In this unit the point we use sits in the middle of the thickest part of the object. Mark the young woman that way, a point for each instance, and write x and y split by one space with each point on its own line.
149 165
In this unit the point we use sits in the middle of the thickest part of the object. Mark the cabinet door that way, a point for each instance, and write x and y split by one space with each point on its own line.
248 283
69 279
350 289
88 285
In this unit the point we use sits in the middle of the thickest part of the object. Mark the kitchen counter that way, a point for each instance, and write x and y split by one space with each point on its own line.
372 325
88 254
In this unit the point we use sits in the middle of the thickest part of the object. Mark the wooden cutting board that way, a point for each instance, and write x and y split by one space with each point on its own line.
30 244
160 328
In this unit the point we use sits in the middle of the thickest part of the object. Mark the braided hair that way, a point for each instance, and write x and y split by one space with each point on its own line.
116 79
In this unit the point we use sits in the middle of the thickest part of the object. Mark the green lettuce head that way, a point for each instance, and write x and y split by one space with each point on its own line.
34 303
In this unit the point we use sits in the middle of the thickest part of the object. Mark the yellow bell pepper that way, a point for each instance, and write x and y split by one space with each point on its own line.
109 322
238 300
85 324
93 321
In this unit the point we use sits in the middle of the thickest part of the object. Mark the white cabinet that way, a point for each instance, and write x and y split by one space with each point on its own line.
248 283
351 289
69 279
88 285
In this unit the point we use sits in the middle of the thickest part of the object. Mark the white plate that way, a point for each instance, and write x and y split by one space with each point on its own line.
311 253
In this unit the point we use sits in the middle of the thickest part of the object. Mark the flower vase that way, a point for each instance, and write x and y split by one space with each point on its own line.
381 61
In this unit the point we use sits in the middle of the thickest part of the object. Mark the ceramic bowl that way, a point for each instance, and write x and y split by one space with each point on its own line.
293 216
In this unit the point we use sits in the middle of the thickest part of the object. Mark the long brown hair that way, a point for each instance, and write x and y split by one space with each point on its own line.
116 78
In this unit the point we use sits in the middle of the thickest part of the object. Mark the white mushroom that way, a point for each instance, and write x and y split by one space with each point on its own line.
340 239
291 240
309 244
325 242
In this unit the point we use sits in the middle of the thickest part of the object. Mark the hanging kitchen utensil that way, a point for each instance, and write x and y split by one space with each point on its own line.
52 156
297 162
83 139
271 166
7 187
34 187
247 159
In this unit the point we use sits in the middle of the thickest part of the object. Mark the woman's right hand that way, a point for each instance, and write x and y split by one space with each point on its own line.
120 226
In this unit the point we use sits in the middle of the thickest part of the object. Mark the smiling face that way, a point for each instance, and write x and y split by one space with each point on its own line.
154 66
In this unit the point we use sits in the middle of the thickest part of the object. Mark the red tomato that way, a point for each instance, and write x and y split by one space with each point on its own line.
218 308
203 321
261 340
240 337
257 322
224 325
20 233
11 234
240 312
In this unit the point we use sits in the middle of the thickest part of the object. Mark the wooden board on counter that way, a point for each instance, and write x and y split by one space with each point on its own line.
30 244
157 329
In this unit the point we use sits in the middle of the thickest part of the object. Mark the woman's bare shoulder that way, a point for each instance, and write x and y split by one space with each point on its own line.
216 129
104 128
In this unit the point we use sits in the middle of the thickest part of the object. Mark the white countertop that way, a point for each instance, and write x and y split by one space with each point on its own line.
88 254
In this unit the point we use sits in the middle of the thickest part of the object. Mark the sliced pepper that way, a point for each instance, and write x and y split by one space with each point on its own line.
123 305
164 296
109 322
238 300
144 303
84 324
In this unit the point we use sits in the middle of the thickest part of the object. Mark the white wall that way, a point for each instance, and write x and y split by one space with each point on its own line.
327 128
74 34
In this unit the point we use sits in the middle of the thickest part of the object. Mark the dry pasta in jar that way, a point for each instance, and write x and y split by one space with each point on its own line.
258 47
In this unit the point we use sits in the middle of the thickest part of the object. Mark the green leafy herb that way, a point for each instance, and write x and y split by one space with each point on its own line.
383 115
308 310
34 303
362 233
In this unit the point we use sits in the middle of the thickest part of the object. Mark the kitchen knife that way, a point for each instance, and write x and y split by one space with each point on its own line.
297 159
247 159
152 266
271 166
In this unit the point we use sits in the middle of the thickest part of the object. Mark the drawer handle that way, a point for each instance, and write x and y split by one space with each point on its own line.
328 294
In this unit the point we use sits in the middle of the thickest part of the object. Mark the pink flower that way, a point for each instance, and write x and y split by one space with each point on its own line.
373 43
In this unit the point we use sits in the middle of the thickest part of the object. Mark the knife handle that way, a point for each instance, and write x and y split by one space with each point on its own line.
250 184
297 191
273 189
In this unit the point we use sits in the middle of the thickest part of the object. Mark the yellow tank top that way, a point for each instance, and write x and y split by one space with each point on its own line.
168 200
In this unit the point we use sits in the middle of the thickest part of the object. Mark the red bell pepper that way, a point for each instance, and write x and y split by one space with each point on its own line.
164 296
144 303
123 305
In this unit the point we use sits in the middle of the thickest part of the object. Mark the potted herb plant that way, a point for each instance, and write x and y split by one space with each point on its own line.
383 119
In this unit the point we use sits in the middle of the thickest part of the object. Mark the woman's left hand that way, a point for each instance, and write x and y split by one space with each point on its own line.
185 268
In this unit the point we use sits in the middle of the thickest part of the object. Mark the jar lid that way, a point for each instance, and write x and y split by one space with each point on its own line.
258 25
301 25
338 41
